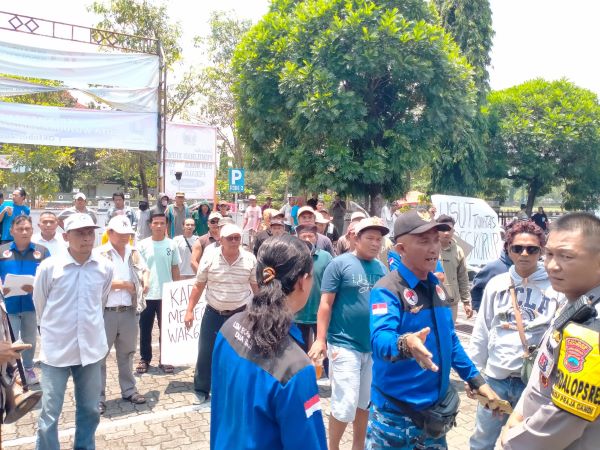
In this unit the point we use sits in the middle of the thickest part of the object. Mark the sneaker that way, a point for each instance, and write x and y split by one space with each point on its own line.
30 377
200 399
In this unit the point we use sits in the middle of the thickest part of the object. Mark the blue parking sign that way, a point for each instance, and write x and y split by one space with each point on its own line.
236 180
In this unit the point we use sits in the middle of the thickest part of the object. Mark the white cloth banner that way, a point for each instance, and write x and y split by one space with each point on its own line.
191 150
49 125
127 70
130 100
179 346
476 223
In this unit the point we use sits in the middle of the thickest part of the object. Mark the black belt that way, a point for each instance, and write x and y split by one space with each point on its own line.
118 308
228 312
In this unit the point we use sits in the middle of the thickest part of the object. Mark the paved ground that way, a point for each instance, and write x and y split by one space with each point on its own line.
169 421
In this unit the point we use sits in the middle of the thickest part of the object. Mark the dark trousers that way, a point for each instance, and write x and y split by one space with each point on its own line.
212 322
309 333
153 308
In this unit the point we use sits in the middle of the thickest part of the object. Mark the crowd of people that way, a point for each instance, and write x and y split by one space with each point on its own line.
293 295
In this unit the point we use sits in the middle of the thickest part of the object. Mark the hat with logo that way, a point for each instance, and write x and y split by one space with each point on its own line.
120 224
214 215
416 222
357 215
79 220
306 209
230 229
352 228
79 195
371 223
320 219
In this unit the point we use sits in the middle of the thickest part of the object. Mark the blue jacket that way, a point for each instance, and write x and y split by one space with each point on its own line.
20 263
400 304
489 271
263 403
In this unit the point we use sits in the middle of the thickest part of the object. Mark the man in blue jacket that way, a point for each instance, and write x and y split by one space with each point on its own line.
414 343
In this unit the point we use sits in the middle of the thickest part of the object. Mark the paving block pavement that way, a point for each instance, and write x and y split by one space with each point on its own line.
169 420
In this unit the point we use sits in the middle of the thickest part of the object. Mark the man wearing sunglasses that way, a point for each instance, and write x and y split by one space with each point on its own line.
497 347
205 240
229 276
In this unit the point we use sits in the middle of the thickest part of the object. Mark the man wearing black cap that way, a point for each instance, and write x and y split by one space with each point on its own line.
414 345
276 228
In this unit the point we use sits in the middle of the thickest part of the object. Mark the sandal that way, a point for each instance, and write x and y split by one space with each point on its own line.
166 368
142 366
136 398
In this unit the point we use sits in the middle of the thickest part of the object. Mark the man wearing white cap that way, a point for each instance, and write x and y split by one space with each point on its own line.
125 301
205 240
307 216
79 206
343 244
69 294
229 276
252 218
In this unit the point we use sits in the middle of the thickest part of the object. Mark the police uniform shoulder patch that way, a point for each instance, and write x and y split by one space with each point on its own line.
440 292
410 296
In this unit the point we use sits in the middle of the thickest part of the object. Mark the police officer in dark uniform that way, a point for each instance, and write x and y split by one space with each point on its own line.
415 345
560 406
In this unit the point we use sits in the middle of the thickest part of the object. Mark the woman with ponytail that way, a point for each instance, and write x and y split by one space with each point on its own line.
264 389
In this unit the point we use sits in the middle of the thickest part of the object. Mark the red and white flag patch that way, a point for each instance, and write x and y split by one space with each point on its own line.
312 405
379 309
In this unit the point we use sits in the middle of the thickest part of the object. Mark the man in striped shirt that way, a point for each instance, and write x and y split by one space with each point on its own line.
229 276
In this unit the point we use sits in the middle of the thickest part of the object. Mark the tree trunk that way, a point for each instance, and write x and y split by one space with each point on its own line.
143 180
532 191
376 202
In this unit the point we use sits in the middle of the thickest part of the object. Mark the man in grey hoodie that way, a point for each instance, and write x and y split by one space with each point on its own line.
496 348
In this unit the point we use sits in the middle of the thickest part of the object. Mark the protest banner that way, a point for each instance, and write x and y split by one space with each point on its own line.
179 346
476 223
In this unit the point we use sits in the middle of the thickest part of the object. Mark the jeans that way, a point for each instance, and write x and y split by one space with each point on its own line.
212 322
153 308
24 327
488 427
86 380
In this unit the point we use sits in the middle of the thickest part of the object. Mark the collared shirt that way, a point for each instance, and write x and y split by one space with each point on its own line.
12 261
185 253
56 246
160 257
121 272
69 301
227 285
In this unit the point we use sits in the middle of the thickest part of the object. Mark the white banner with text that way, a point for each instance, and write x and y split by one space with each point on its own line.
476 223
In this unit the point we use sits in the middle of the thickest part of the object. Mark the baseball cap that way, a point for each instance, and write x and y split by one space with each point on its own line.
320 219
352 228
306 209
121 225
444 218
371 223
230 229
308 228
278 214
225 220
79 220
79 195
252 197
416 222
357 215
223 202
179 194
277 222
214 215
162 195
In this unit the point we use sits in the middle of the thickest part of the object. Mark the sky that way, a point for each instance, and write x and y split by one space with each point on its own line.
533 38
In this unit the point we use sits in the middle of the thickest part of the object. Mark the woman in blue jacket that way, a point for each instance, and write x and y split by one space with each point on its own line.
264 388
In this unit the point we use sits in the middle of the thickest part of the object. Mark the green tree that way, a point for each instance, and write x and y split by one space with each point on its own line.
543 134
351 95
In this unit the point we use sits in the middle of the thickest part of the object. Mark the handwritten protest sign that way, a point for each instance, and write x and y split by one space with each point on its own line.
179 346
476 223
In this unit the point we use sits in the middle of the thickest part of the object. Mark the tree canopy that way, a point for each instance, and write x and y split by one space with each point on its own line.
351 95
544 134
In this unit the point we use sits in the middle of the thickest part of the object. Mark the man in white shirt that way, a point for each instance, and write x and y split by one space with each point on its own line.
252 218
185 243
79 206
48 237
69 294
125 301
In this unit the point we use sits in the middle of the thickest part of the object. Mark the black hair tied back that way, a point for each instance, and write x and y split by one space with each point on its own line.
281 262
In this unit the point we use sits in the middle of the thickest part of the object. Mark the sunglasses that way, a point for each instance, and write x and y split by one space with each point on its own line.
531 249
214 221
233 238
